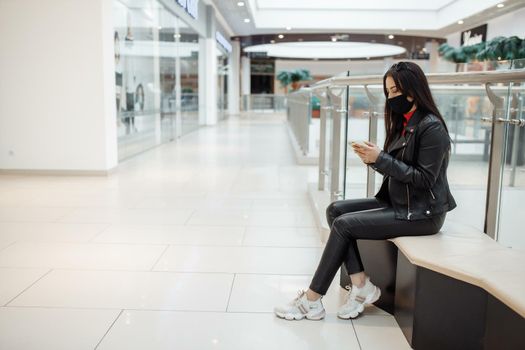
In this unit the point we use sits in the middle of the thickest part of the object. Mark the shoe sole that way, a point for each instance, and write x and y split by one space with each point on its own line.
375 297
298 317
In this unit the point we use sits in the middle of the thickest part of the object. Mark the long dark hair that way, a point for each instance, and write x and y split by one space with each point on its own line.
410 80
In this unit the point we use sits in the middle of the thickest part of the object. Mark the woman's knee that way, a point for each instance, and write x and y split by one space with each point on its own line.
339 228
332 213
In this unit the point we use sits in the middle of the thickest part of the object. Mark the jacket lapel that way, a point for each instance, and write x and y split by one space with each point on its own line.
401 141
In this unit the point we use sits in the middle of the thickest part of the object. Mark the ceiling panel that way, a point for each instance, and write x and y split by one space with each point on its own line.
352 5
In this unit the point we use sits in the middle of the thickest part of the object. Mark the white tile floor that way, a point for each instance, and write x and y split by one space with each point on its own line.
188 246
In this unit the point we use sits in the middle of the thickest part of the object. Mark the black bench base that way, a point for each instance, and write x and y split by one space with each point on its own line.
435 311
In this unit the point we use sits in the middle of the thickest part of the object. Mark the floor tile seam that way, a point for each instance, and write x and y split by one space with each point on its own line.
56 269
58 242
189 218
102 243
256 226
99 233
33 221
176 310
230 294
29 287
160 257
109 329
244 233
68 212
356 336
8 246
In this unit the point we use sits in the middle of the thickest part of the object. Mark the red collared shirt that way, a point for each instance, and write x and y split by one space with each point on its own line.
406 118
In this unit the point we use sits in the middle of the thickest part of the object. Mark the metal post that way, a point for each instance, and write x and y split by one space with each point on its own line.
372 137
325 108
308 122
495 163
515 143
336 191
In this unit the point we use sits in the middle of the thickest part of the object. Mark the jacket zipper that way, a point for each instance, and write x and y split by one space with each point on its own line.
409 214
432 194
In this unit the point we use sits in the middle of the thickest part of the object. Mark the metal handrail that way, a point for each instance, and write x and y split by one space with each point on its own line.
490 82
433 78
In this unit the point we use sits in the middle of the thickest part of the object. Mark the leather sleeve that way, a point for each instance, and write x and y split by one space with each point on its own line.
434 144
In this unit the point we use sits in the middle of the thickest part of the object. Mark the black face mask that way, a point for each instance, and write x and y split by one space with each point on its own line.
400 104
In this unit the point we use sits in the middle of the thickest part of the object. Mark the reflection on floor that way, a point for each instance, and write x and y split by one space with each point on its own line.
187 246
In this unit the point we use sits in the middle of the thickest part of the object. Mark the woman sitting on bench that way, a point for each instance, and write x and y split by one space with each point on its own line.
413 199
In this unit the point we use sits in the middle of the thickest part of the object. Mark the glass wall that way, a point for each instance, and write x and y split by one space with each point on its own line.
222 82
156 63
188 53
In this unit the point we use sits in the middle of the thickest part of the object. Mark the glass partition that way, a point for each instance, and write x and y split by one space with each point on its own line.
156 62
463 107
486 124
510 231
188 48
357 131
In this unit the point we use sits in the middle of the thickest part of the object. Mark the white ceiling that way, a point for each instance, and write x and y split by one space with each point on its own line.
352 5
350 15
431 18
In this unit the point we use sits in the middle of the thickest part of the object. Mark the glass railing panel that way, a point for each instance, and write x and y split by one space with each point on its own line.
510 231
463 107
357 131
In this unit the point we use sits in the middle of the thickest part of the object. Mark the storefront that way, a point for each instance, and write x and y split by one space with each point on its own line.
158 46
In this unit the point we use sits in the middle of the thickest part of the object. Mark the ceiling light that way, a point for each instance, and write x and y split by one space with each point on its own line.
272 41
280 36
334 39
246 20
240 3
500 5
390 36
288 28
460 21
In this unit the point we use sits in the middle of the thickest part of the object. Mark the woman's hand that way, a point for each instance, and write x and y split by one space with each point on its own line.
368 152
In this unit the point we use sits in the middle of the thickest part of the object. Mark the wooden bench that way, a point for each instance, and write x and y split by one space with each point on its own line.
458 289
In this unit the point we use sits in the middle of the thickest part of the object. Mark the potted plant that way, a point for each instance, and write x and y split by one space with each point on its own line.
316 106
293 77
497 49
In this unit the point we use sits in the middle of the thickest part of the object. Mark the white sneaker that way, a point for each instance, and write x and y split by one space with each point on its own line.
300 308
357 299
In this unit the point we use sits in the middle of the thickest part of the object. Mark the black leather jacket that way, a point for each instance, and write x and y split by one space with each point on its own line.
415 170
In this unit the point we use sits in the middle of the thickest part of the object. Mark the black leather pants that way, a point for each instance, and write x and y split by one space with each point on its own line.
355 219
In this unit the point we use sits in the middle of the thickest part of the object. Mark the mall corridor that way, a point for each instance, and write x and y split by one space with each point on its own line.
188 246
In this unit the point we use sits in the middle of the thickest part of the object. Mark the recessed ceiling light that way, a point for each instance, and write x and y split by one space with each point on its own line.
280 36
334 39
460 21
288 28
246 20
240 3
272 41
500 5
390 36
